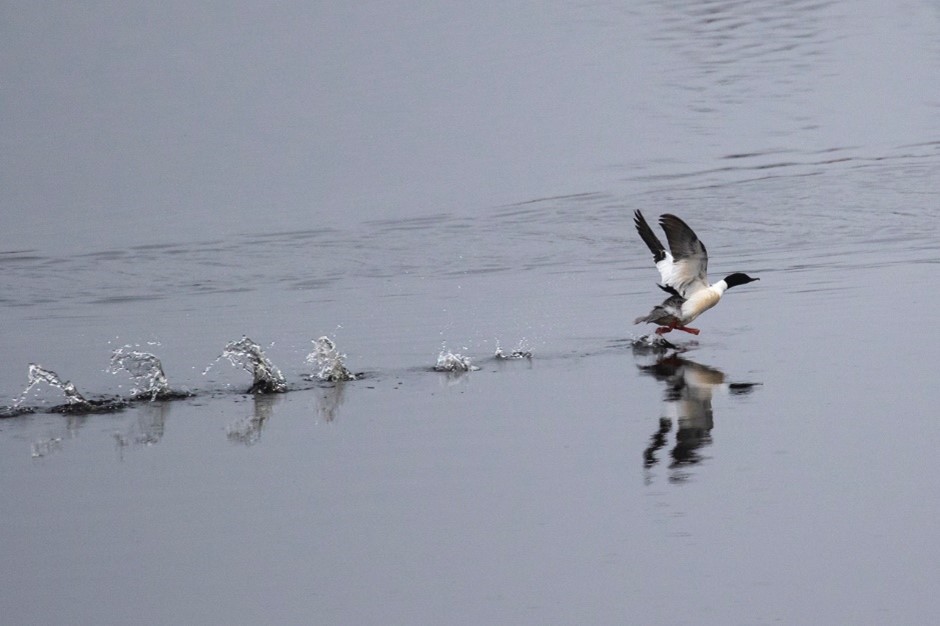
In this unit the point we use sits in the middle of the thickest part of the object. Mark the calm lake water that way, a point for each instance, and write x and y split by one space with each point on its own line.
411 179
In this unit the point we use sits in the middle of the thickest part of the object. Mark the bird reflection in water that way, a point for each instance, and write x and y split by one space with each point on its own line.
687 403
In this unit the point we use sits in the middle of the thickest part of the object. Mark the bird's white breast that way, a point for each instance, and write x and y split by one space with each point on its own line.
702 300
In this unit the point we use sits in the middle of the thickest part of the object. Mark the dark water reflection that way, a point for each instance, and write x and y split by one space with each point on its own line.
687 404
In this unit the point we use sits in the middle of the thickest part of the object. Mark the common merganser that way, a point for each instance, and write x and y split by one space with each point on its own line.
683 269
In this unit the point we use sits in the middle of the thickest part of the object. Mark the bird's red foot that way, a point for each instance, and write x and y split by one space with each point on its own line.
693 331
662 330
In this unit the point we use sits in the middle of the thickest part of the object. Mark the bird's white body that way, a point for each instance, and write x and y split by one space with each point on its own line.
701 301
683 269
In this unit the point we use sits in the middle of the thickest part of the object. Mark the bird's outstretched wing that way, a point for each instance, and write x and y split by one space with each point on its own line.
683 268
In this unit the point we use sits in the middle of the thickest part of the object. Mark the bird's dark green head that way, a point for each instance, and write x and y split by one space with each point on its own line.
733 280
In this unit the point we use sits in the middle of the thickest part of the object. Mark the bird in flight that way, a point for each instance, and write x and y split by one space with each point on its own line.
683 269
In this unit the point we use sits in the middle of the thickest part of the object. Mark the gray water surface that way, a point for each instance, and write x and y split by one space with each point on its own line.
411 178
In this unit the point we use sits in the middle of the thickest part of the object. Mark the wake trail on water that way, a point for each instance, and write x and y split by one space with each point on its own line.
75 403
150 382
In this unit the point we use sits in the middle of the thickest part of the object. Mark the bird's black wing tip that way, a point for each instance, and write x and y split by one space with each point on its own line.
670 290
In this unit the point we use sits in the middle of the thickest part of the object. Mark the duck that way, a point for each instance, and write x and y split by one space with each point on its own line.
683 269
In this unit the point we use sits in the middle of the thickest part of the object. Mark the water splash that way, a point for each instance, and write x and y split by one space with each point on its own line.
521 351
75 401
655 344
329 362
38 374
453 362
246 354
145 370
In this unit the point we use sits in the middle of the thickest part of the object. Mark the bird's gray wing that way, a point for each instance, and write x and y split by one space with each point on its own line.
689 268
